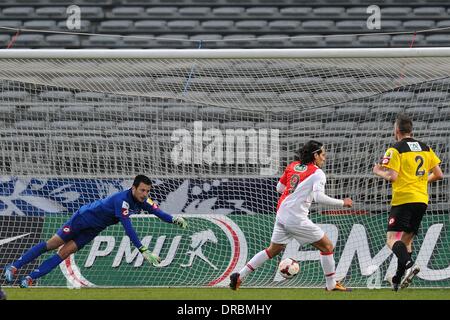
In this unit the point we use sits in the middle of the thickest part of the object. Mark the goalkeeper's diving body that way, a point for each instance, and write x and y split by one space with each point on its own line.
88 222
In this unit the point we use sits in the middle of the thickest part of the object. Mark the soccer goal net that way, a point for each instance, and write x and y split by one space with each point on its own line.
214 129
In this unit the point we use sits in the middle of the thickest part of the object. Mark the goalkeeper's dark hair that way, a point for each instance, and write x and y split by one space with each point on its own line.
404 123
306 153
141 179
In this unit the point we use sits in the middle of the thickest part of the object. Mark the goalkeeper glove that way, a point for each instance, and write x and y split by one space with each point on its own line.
150 256
179 221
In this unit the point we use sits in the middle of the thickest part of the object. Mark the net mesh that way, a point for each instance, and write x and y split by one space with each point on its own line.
215 135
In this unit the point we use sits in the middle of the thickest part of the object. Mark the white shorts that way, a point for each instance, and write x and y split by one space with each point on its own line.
305 232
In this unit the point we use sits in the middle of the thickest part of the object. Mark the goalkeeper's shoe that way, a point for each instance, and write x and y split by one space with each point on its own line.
26 282
10 273
339 287
410 274
235 281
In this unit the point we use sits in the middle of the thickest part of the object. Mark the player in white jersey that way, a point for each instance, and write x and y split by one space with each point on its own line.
302 182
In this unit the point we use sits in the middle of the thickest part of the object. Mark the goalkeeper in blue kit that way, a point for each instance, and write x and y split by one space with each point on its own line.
88 222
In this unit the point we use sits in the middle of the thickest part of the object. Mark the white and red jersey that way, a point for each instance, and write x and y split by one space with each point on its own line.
294 173
301 182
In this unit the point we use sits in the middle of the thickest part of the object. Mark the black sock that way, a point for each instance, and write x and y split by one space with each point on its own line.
399 249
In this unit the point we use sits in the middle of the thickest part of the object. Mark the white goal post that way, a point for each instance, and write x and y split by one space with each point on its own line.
214 130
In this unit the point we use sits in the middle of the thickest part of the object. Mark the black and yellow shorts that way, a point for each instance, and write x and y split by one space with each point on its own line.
406 217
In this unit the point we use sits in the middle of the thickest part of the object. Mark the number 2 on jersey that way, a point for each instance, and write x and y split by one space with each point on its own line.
420 161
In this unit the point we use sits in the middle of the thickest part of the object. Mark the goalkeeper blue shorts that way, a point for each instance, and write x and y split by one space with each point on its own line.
78 230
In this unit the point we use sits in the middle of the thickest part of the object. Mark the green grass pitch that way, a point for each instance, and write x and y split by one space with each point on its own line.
221 294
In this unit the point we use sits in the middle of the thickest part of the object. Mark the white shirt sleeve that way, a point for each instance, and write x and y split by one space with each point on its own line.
319 191
280 187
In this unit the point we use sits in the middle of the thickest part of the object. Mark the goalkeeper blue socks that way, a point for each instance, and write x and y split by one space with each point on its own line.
31 254
47 266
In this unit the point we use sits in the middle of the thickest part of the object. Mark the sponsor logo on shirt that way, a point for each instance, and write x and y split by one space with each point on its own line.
66 229
152 203
414 146
391 221
125 207
300 168
387 157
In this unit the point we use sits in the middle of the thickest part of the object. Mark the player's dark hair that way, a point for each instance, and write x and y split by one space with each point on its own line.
141 178
306 154
404 123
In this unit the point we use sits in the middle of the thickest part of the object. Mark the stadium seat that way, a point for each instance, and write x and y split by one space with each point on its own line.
195 12
340 42
18 12
40 24
439 126
440 40
161 12
315 26
351 26
305 126
375 125
65 125
101 42
397 96
112 112
237 125
217 25
406 40
357 12
340 125
183 112
432 96
98 125
262 12
116 26
30 125
418 24
296 12
63 40
425 112
204 125
228 12
173 40
251 25
150 26
30 41
90 96
77 112
280 125
51 12
207 40
374 40
350 112
384 112
420 125
273 41
283 25
183 26
307 42
329 12
396 12
430 12
92 13
43 112
56 95
9 95
132 125
127 13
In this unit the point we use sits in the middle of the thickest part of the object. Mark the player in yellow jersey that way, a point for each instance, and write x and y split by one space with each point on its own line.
407 165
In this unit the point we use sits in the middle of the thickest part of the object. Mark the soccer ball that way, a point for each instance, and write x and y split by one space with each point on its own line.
288 268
